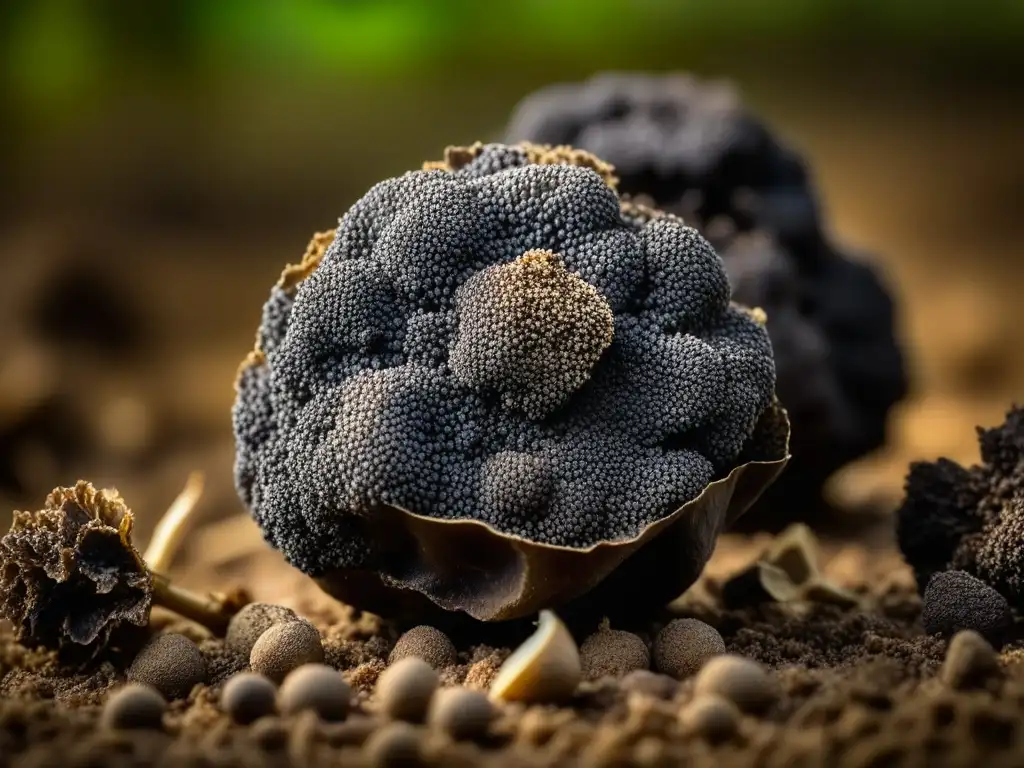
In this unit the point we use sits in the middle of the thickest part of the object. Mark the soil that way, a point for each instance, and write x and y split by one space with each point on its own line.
861 687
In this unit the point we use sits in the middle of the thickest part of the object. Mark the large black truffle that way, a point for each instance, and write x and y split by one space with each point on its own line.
492 340
70 578
693 148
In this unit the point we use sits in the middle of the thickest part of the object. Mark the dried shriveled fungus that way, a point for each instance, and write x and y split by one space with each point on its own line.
71 579
970 519
693 148
496 390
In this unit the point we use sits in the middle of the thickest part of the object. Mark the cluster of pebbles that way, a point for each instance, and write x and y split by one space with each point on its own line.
766 684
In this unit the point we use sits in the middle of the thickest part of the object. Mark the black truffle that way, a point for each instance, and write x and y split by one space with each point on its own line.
134 706
683 646
284 647
315 687
954 600
247 697
170 663
69 575
970 519
427 643
382 379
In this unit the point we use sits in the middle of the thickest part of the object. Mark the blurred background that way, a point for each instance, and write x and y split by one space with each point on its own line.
162 161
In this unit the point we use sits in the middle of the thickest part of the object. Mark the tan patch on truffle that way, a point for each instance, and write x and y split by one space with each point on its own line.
294 274
291 276
456 157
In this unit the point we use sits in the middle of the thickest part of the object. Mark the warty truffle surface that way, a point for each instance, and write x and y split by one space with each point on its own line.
399 372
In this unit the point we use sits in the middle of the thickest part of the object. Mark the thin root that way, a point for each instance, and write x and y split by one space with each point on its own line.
171 529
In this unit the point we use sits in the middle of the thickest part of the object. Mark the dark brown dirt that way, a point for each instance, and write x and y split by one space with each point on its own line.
860 688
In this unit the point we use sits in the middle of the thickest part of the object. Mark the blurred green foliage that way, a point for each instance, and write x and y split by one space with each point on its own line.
59 50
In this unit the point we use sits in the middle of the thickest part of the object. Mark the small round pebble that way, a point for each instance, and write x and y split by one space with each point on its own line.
253 620
684 645
405 688
316 687
134 706
248 696
970 661
427 643
285 647
464 714
710 717
954 600
613 653
742 681
171 663
393 745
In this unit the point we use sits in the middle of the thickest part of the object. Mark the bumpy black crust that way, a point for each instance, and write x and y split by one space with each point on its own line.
970 519
694 149
69 575
350 401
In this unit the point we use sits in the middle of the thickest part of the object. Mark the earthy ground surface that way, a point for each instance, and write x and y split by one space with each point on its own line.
860 687
929 183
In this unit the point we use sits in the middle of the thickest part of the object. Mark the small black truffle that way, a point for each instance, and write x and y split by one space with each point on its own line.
247 697
170 663
613 653
315 687
684 645
954 600
427 643
134 706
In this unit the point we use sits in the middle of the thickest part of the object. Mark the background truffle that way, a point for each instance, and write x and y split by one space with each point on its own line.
692 148
970 519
